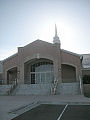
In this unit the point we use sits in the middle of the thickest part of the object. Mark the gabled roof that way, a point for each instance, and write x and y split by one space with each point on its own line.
37 41
10 57
75 54
34 42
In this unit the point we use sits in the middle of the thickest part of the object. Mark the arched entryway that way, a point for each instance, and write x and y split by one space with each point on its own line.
12 75
68 73
39 71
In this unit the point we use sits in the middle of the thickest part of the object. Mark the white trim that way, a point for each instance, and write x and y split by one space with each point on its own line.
62 112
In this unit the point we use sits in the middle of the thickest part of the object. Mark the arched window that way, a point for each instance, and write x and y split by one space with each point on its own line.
41 72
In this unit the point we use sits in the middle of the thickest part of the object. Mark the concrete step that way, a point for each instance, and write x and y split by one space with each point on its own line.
27 89
4 89
68 88
42 89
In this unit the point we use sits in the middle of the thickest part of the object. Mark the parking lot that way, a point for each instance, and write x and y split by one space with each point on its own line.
57 112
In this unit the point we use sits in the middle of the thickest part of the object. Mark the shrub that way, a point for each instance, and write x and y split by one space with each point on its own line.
86 79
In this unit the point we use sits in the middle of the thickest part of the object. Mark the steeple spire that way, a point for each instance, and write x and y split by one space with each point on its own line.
56 38
55 30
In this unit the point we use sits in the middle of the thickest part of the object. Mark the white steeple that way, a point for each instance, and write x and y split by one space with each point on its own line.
56 38
55 30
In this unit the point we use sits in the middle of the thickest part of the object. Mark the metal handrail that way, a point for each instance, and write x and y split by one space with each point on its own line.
81 85
14 85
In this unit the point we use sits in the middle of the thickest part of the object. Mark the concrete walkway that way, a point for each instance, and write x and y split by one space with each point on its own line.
9 103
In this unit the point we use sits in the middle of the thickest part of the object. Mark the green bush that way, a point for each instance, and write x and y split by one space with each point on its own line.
87 95
86 79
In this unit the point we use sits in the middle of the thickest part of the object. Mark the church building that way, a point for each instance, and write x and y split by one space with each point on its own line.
43 68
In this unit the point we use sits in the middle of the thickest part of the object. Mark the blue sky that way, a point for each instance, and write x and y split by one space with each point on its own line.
24 21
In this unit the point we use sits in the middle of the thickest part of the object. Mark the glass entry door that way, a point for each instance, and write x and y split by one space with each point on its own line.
41 72
41 77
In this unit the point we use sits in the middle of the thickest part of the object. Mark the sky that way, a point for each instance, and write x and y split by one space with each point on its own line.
24 21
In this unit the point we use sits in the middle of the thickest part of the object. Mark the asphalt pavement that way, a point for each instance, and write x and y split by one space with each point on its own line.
11 103
57 112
